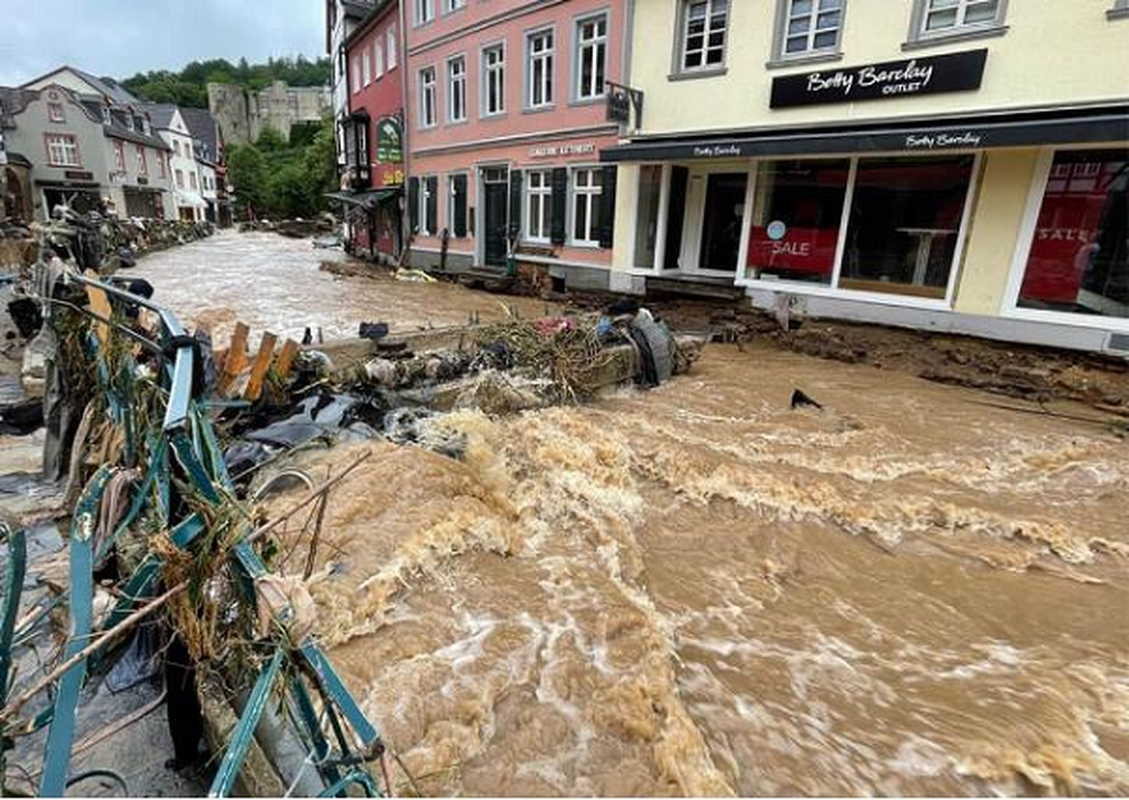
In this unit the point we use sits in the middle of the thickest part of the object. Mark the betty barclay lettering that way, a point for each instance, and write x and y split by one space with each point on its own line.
564 149
934 141
717 151
906 80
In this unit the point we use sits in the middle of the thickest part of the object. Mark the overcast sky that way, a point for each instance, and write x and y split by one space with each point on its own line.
121 37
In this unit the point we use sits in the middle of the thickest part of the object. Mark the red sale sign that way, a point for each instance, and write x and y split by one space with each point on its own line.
807 250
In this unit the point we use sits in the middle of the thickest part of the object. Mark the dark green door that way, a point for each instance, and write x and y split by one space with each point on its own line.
494 223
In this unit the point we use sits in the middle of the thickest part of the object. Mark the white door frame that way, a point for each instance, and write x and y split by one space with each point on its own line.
694 221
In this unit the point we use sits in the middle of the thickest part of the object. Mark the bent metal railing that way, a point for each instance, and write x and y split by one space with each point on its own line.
339 739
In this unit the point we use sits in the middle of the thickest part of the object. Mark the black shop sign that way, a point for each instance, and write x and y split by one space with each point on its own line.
956 72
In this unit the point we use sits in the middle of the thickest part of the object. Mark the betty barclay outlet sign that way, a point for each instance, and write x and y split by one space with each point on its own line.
956 72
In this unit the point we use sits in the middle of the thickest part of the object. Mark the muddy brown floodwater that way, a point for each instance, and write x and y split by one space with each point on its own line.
272 283
696 590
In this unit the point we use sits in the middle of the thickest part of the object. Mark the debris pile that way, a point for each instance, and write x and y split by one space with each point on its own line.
297 228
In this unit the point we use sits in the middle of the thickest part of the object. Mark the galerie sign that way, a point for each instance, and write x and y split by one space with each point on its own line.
565 149
955 72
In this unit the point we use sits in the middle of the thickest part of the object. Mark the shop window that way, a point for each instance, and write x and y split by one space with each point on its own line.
703 33
940 18
1078 259
62 150
591 55
647 219
809 27
796 215
427 97
587 187
494 80
539 70
904 223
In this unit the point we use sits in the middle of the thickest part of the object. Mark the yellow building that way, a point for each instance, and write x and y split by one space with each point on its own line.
955 165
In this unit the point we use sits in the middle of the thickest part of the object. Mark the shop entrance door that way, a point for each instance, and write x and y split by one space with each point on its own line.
495 185
721 225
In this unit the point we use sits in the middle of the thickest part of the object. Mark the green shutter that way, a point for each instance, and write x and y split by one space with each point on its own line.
559 205
515 203
607 208
432 205
460 205
413 204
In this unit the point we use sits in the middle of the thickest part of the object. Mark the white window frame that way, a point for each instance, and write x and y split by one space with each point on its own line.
356 74
142 161
366 68
62 150
1022 251
107 118
378 58
923 9
545 58
119 156
592 196
488 71
587 49
543 193
424 12
390 46
428 97
684 35
451 6
52 106
785 15
456 89
180 179
832 289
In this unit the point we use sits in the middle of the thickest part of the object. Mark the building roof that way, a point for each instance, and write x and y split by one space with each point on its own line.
12 101
205 130
119 129
107 87
160 114
374 13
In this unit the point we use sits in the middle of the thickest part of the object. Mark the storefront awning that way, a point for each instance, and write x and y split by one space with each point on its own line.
369 198
1077 126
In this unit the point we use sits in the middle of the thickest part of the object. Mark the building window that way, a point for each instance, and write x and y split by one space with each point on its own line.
810 27
366 68
587 187
703 34
427 208
119 157
453 5
456 89
538 205
941 17
176 147
192 181
162 167
129 122
180 179
796 216
591 57
494 80
1078 260
188 152
425 12
540 69
905 219
356 74
391 47
56 112
378 57
427 97
142 164
107 119
62 150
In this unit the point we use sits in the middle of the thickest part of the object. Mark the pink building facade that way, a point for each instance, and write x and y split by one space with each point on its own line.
506 122
373 174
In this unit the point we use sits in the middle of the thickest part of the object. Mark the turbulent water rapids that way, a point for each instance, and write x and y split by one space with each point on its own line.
696 590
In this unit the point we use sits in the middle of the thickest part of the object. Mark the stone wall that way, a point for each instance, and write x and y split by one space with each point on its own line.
244 115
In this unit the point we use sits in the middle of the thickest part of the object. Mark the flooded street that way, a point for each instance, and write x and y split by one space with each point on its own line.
272 283
696 589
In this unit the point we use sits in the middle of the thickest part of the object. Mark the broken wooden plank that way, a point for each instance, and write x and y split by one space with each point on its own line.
100 305
236 360
259 369
286 358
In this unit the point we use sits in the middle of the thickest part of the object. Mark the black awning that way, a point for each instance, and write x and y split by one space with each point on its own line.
367 198
1079 126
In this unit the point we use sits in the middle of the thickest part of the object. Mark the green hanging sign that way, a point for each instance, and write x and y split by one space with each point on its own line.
388 141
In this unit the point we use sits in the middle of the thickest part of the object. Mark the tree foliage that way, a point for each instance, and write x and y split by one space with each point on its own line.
277 179
189 86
